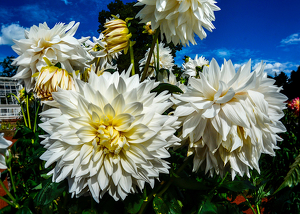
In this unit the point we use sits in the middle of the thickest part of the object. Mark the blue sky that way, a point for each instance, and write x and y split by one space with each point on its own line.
267 30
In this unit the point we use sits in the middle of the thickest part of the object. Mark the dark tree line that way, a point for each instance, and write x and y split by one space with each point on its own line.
289 84
9 70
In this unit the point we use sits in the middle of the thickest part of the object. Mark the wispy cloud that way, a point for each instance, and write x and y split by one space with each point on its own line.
5 14
9 32
66 2
291 40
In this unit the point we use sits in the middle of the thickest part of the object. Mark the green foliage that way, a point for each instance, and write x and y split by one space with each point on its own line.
293 176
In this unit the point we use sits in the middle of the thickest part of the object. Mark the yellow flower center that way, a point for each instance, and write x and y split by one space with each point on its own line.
110 139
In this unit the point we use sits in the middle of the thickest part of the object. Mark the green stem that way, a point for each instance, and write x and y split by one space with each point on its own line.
150 55
36 116
97 65
25 121
7 192
12 179
257 209
157 54
28 114
249 204
7 201
132 59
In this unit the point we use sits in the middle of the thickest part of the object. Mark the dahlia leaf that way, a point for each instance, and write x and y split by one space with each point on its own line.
293 176
238 186
49 192
166 86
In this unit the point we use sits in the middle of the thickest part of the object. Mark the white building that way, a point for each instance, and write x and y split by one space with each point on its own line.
9 108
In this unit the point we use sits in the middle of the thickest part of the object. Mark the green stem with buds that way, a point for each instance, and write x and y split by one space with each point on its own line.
25 121
150 55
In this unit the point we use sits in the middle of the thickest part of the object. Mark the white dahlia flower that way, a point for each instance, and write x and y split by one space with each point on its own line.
56 44
193 66
179 20
109 135
166 60
99 52
230 118
4 144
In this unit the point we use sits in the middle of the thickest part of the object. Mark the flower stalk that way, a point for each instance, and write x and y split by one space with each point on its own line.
15 204
27 107
132 57
36 116
150 55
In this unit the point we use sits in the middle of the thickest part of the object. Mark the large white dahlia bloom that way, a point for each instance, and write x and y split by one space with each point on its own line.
179 20
230 118
109 135
4 144
192 67
56 44
166 60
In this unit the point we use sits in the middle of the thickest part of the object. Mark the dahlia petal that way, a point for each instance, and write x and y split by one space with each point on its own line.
86 133
235 112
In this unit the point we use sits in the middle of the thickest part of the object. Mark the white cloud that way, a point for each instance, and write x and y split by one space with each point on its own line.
273 67
291 40
9 32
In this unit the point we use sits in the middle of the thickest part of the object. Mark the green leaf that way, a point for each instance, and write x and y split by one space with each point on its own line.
50 192
45 176
89 211
38 187
166 87
24 210
208 208
293 176
238 186
133 203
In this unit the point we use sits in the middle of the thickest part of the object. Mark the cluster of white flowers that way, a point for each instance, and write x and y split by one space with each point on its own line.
164 57
107 132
